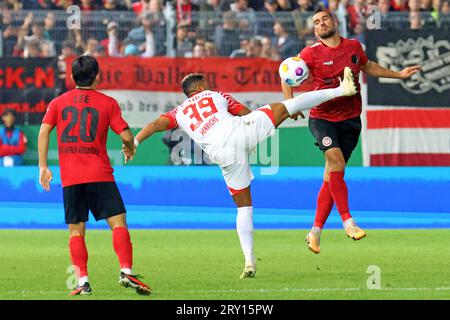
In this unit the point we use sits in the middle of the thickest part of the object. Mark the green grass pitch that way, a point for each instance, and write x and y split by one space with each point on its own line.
183 265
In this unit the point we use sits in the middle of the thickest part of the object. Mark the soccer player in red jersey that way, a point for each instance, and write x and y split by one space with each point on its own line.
82 117
227 131
336 124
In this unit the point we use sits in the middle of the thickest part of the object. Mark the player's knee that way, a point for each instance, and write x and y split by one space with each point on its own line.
335 160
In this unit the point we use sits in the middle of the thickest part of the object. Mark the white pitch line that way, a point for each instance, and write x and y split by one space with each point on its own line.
241 290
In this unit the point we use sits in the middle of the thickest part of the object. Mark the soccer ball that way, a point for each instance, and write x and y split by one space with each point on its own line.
293 71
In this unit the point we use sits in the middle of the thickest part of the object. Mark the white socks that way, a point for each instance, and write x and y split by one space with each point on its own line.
127 271
311 99
316 230
348 223
244 226
83 280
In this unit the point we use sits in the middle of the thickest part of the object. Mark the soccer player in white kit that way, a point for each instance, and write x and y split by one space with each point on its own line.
227 131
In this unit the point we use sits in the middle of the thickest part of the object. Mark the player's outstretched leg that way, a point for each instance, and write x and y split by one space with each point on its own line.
124 251
308 100
79 257
244 227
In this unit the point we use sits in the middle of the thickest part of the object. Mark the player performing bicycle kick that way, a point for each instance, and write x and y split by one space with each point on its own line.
227 131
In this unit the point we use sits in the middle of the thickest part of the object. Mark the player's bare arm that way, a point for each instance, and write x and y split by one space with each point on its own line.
375 70
160 124
45 174
128 144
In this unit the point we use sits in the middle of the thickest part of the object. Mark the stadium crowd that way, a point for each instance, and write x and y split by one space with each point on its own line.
273 29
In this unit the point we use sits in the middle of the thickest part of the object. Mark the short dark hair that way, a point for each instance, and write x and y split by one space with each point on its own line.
188 82
84 70
319 10
9 111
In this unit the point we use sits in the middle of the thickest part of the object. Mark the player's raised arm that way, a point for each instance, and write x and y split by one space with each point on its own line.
45 174
287 91
375 70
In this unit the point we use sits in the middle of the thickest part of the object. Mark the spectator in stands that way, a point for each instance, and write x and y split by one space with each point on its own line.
49 26
246 18
254 48
358 33
357 14
199 51
444 15
241 52
414 5
88 5
418 18
415 21
210 49
386 22
91 46
67 50
184 11
209 17
9 30
286 44
302 17
13 142
42 5
99 51
338 9
112 43
426 5
149 36
256 5
266 49
399 5
266 18
113 5
227 35
75 37
184 44
37 39
287 5
140 6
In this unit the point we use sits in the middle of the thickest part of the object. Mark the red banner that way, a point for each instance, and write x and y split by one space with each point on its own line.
165 74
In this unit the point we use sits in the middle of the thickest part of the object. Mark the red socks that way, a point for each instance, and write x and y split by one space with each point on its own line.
338 189
79 255
123 247
324 205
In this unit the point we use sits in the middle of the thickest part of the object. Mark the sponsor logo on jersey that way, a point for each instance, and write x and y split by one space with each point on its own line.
328 63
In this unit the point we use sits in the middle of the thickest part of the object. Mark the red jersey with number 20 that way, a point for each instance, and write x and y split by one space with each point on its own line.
326 65
207 117
82 119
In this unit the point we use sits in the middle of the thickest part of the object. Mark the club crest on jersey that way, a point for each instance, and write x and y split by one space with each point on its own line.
355 59
326 141
328 63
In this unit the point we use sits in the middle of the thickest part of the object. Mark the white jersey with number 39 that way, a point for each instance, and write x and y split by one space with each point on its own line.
207 117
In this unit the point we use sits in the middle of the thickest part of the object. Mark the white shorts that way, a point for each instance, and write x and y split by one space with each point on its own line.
233 159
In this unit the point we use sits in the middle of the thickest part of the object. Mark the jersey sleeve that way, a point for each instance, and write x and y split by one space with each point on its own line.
234 107
51 115
116 122
171 115
306 55
362 55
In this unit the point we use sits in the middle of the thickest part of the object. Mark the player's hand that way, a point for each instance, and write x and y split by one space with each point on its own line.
408 72
45 177
296 115
128 154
